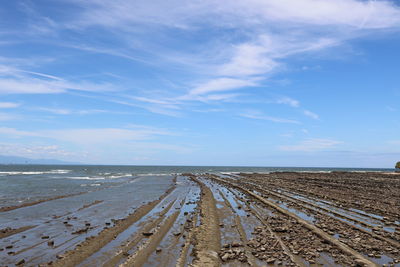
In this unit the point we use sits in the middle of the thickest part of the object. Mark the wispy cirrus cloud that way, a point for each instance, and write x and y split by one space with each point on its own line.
221 84
90 135
296 104
259 116
16 81
312 145
65 111
288 101
258 53
260 37
35 151
310 114
9 105
351 13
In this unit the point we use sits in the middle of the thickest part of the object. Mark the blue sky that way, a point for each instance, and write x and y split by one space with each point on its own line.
250 83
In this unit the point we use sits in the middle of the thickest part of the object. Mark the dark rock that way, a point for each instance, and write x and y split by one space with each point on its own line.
20 262
147 233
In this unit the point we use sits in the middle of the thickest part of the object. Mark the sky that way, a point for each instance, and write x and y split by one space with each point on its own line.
203 82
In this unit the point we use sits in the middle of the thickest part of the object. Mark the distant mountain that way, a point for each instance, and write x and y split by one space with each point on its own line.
21 160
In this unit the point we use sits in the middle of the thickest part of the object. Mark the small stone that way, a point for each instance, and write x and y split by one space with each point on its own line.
147 233
359 262
236 244
20 262
225 257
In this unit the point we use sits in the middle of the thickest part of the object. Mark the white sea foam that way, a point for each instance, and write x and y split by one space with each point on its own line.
34 172
85 178
154 174
117 176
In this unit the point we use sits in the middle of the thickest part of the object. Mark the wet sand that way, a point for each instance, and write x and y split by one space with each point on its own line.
275 219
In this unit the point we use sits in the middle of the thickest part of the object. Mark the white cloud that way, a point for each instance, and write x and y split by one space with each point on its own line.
262 33
34 151
17 81
14 133
13 86
311 114
221 84
39 86
127 13
248 59
89 136
288 101
311 145
260 116
9 105
61 111
98 136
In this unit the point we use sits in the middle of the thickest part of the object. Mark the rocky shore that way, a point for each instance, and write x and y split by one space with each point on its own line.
246 219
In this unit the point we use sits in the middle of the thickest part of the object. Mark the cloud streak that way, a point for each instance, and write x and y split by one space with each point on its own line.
9 105
312 145
260 116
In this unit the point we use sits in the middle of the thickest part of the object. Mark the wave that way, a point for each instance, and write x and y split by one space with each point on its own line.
114 175
34 172
85 178
154 174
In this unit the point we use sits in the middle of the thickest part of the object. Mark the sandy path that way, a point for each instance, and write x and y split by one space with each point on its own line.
28 204
140 257
207 235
